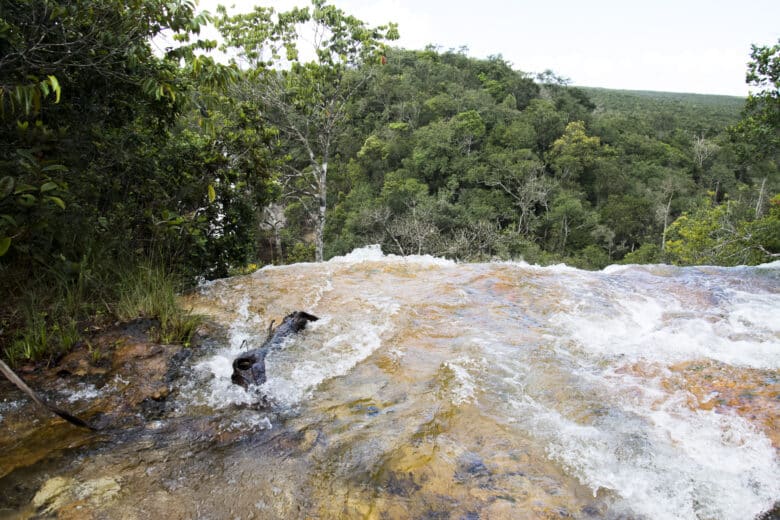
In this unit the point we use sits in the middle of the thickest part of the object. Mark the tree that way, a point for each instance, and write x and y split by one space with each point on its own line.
760 124
80 92
574 152
305 92
520 175
725 234
570 222
703 150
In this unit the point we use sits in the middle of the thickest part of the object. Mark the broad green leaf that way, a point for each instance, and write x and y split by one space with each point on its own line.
27 200
22 188
55 167
58 201
55 85
5 243
49 186
212 193
6 186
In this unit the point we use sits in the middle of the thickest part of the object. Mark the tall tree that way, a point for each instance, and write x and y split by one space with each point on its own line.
305 91
761 118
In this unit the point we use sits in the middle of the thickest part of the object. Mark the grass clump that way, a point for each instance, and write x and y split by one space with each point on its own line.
150 291
44 317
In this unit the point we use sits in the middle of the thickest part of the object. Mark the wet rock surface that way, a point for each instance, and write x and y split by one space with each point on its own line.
118 380
427 390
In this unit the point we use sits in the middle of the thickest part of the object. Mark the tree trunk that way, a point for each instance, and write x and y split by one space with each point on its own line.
278 245
760 199
666 222
319 226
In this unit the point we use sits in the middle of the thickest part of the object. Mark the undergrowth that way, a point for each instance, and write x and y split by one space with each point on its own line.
43 317
150 291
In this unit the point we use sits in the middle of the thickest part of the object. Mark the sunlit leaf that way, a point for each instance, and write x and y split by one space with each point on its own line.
55 85
54 167
27 200
58 201
49 186
6 186
212 193
23 188
5 243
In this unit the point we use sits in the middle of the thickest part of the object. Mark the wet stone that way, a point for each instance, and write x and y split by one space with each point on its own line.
471 465
772 514
401 484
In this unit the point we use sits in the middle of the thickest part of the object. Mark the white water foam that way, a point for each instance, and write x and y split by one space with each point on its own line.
464 387
742 332
638 440
768 265
220 391
7 405
336 346
671 464
553 268
82 392
373 253
328 348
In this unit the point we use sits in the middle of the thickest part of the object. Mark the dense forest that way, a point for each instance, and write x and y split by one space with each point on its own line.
127 173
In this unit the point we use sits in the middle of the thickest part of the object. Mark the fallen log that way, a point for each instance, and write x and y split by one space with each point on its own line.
249 367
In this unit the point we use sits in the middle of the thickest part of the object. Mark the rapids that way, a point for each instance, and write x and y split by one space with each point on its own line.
431 389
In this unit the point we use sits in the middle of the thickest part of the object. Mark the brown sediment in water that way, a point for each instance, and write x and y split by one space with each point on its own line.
708 385
753 394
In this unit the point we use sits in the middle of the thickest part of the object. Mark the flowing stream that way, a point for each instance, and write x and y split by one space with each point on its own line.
430 389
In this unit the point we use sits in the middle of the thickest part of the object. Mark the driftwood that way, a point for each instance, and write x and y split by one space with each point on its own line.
16 380
249 367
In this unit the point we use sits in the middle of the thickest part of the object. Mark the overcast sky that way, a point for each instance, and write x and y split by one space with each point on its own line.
699 46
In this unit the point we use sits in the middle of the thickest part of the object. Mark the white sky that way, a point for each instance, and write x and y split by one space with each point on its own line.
699 46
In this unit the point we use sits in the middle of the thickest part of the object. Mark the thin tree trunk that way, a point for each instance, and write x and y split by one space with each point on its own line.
666 222
278 245
319 230
760 199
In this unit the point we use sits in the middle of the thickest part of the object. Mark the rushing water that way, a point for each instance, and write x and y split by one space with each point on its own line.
430 389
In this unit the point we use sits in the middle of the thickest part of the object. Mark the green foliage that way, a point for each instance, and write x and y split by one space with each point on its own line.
590 257
442 158
42 337
112 154
661 113
760 124
725 234
150 291
48 316
308 98
646 254
301 253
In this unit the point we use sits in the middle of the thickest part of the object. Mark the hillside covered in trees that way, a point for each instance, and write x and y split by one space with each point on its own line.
113 157
469 159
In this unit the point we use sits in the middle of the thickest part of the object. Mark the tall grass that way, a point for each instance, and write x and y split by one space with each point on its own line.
44 317
149 291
